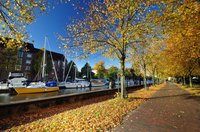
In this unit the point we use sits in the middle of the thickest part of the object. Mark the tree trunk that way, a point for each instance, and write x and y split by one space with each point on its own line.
154 80
154 71
190 78
145 79
158 81
184 80
123 88
153 77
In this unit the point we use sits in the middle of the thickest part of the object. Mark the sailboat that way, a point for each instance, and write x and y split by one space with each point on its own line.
77 83
38 87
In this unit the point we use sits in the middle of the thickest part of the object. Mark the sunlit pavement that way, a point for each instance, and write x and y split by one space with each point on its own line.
170 109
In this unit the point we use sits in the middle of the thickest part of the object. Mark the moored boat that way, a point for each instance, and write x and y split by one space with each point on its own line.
77 83
35 90
34 87
98 82
16 79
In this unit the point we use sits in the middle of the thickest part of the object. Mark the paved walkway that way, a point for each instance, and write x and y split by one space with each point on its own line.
171 109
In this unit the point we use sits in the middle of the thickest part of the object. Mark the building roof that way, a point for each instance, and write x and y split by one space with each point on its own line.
56 56
29 47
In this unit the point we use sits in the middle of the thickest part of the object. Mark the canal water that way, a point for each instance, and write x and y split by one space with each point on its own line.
6 98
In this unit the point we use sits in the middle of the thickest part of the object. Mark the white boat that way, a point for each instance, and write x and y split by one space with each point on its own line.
16 79
36 85
98 82
3 86
77 83
82 82
127 83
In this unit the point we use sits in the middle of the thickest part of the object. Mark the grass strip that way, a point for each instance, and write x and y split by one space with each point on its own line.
193 90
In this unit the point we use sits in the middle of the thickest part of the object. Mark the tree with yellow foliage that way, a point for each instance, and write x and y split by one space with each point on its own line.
14 16
100 68
108 27
180 21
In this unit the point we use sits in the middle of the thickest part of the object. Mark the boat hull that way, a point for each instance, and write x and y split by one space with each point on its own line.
72 86
35 90
98 85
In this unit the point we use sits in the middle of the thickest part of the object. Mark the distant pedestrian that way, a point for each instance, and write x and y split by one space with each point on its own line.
110 85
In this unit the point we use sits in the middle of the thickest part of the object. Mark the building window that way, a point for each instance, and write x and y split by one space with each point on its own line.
29 55
21 53
28 61
28 68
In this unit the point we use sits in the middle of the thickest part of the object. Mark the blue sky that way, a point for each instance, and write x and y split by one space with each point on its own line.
54 22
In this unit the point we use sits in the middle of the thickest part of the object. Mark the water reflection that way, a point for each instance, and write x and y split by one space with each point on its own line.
7 98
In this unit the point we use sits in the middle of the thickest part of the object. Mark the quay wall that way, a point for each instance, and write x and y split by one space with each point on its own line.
20 107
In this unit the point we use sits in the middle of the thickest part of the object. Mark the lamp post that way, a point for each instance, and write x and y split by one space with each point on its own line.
74 71
118 80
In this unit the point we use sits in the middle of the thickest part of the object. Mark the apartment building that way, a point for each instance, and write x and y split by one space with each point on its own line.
25 60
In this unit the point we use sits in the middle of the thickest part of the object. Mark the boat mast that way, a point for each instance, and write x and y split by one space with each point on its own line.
90 74
68 72
54 68
87 71
64 66
44 63
75 72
